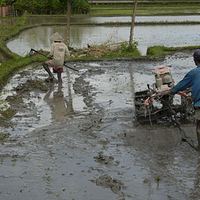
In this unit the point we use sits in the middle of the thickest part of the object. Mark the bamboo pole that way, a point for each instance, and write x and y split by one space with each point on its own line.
133 22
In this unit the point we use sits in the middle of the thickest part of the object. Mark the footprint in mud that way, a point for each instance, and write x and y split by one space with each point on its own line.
106 181
30 85
106 160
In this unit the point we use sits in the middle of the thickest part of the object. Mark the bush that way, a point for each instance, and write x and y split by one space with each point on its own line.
80 7
125 47
36 7
155 50
51 6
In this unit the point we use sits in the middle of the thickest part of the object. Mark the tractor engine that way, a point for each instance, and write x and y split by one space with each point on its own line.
164 80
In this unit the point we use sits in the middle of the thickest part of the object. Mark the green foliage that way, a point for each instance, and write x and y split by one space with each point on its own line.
155 51
113 54
2 2
6 2
51 6
125 47
153 8
41 7
80 7
162 50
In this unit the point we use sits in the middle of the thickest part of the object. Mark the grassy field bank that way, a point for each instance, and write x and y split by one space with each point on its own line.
155 8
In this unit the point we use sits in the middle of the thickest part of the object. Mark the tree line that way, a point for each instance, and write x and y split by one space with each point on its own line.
45 7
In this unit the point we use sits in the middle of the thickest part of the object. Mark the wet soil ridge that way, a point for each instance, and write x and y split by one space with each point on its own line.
85 89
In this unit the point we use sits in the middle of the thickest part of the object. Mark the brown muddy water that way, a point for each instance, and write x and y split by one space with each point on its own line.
80 140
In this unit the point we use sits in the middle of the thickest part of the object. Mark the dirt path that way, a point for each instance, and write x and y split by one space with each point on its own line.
80 141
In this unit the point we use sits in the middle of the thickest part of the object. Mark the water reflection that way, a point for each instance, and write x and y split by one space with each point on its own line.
63 19
166 35
60 106
144 19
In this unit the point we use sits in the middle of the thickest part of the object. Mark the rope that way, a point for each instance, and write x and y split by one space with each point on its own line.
151 121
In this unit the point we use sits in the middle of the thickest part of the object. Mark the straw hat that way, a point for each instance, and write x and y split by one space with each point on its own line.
56 37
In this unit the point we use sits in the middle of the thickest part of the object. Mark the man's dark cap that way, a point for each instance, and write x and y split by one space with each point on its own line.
196 55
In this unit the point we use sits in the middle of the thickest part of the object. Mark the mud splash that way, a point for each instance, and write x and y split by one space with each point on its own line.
79 140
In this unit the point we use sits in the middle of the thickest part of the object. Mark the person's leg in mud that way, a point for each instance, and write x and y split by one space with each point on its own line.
46 67
198 125
59 76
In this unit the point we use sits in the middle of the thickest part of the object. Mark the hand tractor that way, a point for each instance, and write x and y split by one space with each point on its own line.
157 104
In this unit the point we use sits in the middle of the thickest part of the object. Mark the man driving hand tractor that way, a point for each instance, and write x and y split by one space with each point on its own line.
59 54
192 79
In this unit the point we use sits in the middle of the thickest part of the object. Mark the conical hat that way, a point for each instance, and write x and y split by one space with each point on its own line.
56 37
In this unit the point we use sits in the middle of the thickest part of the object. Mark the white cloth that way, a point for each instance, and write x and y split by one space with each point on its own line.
60 53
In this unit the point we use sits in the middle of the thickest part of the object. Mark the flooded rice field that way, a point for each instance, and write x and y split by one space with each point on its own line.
146 36
61 19
79 140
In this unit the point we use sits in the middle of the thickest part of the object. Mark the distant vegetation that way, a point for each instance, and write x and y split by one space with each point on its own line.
159 8
59 7
50 7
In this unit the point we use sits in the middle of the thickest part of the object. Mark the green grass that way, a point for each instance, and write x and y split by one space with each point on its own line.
10 27
144 9
162 50
11 65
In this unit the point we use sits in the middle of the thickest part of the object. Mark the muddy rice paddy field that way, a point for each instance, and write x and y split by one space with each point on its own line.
80 140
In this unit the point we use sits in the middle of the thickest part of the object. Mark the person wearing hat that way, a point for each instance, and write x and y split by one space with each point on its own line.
192 79
59 54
